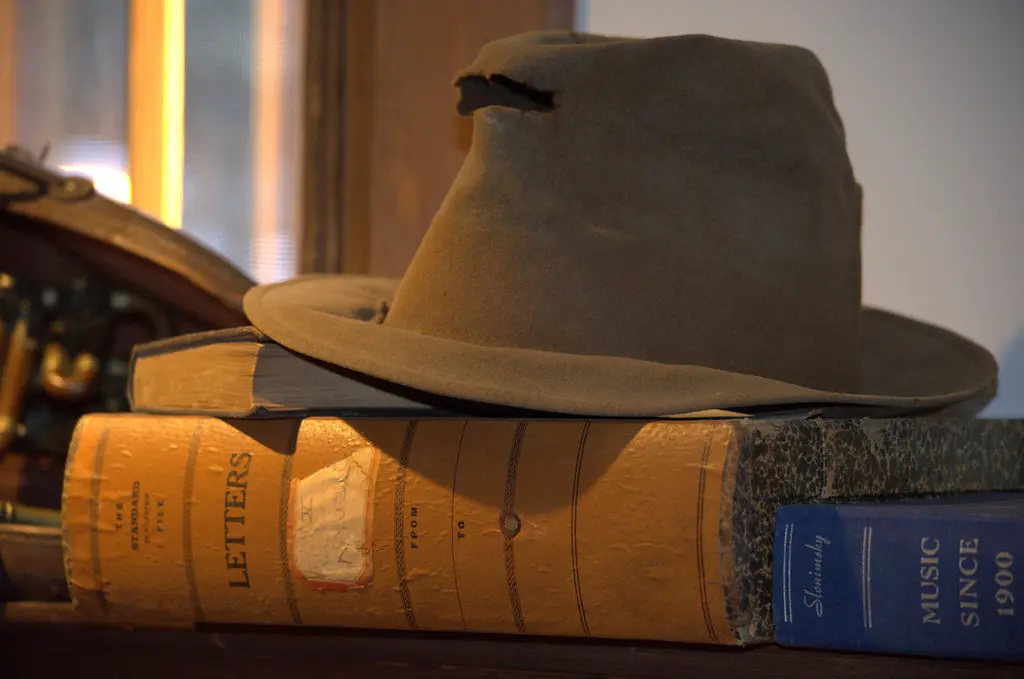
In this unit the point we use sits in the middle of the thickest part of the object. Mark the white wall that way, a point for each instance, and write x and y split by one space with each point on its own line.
932 95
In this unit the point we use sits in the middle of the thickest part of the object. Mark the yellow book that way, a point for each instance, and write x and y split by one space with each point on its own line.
657 530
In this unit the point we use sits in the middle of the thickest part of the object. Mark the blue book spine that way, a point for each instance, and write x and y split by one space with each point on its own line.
939 579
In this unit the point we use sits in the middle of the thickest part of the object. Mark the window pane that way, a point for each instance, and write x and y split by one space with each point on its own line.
243 100
242 145
71 60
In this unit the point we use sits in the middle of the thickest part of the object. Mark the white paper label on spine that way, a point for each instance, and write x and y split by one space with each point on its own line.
331 521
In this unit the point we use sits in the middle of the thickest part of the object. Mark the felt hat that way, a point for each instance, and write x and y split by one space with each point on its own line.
642 227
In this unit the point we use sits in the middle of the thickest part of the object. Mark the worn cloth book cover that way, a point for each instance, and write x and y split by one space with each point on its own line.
938 577
239 372
654 530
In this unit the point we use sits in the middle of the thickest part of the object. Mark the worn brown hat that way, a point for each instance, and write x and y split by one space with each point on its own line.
642 227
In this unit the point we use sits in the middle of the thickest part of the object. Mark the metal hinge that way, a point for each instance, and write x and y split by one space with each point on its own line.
20 162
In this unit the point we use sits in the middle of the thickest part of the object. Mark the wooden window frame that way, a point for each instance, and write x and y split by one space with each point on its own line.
382 140
8 70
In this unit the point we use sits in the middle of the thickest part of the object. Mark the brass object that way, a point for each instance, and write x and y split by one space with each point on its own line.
24 515
61 356
17 369
6 285
67 379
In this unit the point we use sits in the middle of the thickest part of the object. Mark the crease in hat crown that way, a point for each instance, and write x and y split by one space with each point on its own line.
641 226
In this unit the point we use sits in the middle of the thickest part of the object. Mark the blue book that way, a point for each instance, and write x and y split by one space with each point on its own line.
936 577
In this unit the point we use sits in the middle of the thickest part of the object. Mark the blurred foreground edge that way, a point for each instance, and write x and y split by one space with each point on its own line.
32 632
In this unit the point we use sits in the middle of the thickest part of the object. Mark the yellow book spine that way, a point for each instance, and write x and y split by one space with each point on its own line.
569 528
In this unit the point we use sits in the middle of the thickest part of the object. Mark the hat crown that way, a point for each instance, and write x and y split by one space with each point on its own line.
687 200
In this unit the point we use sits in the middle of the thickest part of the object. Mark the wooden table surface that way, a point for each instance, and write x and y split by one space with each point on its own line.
69 650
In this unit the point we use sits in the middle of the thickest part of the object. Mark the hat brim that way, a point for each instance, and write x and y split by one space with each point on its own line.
905 364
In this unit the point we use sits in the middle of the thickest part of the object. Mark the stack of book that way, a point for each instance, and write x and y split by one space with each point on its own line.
250 485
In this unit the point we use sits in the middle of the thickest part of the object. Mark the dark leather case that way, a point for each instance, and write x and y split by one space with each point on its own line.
82 279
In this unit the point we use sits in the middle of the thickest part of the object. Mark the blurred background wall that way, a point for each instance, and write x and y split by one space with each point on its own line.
932 95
